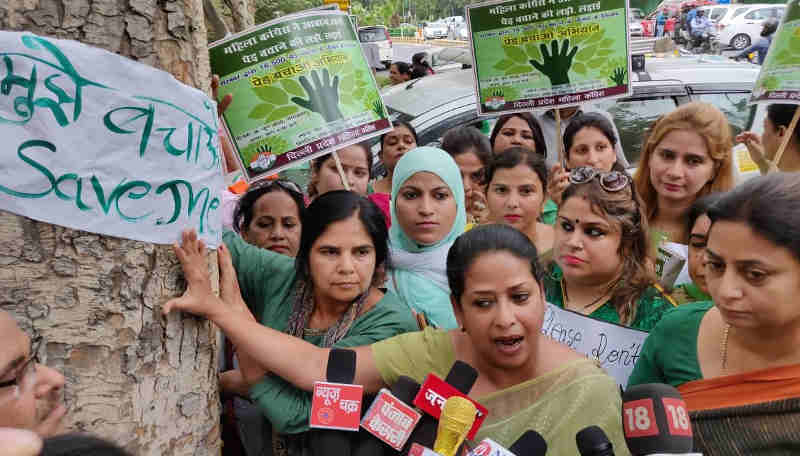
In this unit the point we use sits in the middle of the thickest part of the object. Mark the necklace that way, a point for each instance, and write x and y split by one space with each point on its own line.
725 346
565 299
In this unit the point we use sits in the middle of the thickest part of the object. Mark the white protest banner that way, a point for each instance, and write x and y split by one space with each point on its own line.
616 347
98 142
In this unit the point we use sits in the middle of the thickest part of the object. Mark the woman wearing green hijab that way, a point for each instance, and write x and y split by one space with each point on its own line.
428 214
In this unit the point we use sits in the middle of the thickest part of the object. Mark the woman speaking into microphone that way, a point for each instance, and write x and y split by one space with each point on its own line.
526 380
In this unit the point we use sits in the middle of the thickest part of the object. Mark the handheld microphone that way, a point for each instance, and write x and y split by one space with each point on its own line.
531 443
390 420
592 441
458 416
462 377
334 404
434 392
655 421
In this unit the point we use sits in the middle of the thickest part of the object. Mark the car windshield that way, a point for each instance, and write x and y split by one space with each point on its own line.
372 35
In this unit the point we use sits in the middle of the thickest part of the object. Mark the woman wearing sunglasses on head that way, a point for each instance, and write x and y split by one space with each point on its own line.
327 296
525 379
735 360
687 155
603 267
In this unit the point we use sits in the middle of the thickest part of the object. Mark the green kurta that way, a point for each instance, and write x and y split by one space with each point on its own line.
557 404
669 354
649 308
266 280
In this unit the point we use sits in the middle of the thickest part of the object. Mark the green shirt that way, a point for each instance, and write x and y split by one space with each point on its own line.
549 212
689 292
266 280
650 307
669 354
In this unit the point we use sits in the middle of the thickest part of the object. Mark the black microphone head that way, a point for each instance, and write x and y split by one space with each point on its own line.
592 441
462 376
531 443
672 430
405 389
341 366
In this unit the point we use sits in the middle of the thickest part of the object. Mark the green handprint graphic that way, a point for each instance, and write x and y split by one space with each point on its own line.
618 76
556 62
323 97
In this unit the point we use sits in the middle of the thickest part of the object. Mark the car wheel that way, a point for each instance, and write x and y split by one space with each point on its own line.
740 41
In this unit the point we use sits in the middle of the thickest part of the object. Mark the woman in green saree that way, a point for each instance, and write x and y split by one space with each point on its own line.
526 379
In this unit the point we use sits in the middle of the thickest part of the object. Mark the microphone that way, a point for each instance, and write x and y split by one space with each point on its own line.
655 421
432 395
458 416
389 419
531 443
334 405
592 441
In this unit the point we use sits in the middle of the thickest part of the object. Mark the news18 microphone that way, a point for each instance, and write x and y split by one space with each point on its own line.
655 421
458 416
462 377
531 443
341 369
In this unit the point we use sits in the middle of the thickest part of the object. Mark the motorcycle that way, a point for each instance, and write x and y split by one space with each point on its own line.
706 42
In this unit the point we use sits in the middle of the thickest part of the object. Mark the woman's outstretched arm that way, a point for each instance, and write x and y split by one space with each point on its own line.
291 358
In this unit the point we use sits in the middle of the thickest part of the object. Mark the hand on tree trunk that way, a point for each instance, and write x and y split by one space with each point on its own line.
199 298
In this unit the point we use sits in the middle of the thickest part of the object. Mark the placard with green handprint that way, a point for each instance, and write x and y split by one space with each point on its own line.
543 53
301 88
779 79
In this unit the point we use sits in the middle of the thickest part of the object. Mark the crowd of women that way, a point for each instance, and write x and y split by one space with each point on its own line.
454 253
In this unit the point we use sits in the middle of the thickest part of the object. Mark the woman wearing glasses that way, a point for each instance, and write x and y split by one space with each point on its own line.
472 152
735 360
327 296
687 155
270 215
603 267
515 195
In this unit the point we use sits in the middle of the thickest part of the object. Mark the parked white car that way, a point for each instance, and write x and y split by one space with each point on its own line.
635 26
742 30
436 30
378 36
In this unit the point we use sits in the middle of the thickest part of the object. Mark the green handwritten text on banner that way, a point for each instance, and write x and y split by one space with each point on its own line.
97 142
544 53
302 88
779 79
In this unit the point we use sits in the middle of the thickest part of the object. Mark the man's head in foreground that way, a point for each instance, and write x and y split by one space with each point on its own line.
30 393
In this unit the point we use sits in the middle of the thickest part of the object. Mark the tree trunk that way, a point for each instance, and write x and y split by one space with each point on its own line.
243 12
134 377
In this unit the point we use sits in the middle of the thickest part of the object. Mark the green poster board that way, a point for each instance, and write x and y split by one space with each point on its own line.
301 88
533 54
779 80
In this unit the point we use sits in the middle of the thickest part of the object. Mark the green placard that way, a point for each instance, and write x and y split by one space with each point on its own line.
301 88
779 79
531 54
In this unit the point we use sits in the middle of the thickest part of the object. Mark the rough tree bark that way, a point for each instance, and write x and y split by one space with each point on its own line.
243 12
134 377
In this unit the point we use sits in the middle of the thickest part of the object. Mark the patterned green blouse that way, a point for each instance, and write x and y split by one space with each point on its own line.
649 308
